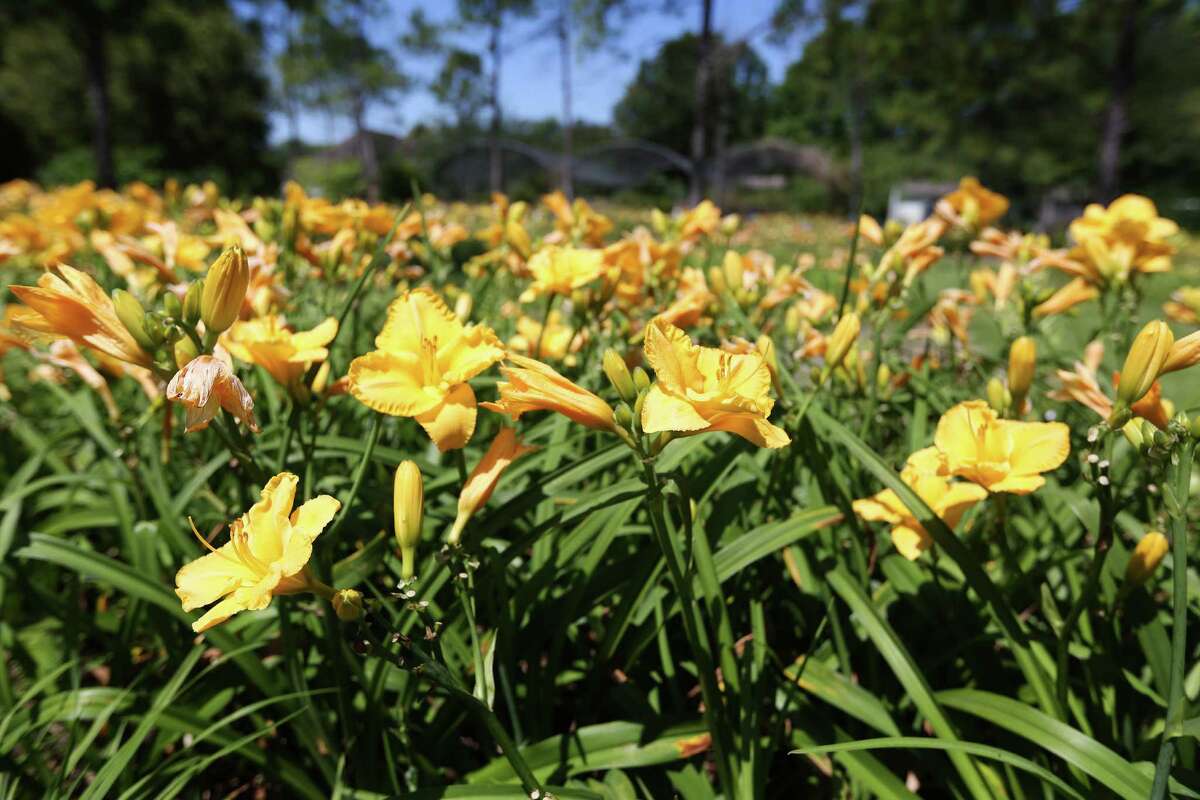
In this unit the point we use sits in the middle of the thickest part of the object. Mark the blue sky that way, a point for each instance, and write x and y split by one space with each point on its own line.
530 86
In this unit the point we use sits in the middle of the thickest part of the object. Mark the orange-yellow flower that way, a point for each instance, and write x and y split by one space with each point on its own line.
1184 305
562 270
424 359
73 305
204 386
925 474
284 353
972 205
504 450
706 389
998 454
534 386
558 342
267 554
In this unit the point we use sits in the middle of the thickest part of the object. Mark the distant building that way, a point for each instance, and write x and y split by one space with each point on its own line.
912 201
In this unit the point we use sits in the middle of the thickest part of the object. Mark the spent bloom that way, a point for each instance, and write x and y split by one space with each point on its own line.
424 359
707 389
504 450
204 386
530 385
267 554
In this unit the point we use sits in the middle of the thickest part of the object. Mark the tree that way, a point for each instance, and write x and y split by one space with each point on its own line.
660 104
172 56
337 67
459 87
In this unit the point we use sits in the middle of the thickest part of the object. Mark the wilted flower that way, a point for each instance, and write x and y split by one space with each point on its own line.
531 385
205 385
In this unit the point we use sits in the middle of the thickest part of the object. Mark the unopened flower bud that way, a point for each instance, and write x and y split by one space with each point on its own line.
1022 357
463 306
997 396
1133 434
172 305
347 604
641 379
623 416
133 317
1145 361
408 504
184 351
618 375
1146 557
191 302
224 289
734 270
1148 431
845 333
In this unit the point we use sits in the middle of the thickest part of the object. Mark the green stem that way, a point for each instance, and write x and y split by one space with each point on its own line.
1104 540
1179 476
287 438
537 351
363 464
693 626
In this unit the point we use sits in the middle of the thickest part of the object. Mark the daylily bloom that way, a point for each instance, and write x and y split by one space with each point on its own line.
73 305
425 358
998 454
558 342
534 386
972 205
205 385
1184 305
1128 236
267 554
562 270
1080 385
948 499
706 389
285 354
504 450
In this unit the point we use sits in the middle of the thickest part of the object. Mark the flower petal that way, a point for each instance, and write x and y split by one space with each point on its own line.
451 423
662 411
391 383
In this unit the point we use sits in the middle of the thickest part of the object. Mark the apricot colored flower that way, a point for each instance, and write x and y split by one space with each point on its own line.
204 386
267 554
924 473
706 389
73 305
562 270
972 205
699 221
1184 305
558 342
534 386
424 359
284 353
1127 236
1000 455
504 450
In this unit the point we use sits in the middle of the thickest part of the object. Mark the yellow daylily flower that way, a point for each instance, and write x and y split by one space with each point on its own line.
998 454
1126 237
559 342
706 389
534 386
562 270
424 359
948 499
1070 295
284 353
972 205
267 554
73 305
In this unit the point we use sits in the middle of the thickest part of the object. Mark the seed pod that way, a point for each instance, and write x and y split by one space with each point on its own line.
347 604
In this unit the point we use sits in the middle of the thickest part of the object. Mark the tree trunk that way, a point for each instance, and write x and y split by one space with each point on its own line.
1116 114
846 66
96 64
700 123
568 118
366 150
495 157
